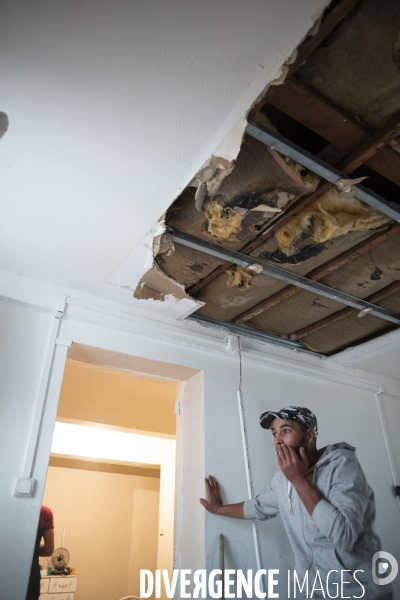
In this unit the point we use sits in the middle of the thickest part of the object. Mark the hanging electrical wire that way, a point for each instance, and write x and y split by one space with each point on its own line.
240 363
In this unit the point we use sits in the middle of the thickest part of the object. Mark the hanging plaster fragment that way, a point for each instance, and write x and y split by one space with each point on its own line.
364 312
209 179
152 241
283 199
240 210
156 285
239 277
166 246
204 175
199 196
144 292
223 168
347 187
266 208
255 269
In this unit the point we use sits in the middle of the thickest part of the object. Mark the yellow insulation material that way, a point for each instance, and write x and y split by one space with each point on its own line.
238 277
307 176
222 222
328 217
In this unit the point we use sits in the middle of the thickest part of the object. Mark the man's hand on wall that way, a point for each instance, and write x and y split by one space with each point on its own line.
214 500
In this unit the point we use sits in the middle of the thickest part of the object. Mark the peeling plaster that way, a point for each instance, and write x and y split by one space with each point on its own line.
140 282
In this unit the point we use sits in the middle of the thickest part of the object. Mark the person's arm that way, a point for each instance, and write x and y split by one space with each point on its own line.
340 517
46 547
295 470
214 502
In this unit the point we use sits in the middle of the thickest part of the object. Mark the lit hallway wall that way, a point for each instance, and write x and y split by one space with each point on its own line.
118 398
111 526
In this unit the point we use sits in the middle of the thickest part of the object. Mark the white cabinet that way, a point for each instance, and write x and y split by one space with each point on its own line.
58 587
44 585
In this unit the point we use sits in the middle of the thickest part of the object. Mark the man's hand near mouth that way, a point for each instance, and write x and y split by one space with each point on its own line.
295 469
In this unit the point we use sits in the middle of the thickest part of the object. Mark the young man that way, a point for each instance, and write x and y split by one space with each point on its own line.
326 504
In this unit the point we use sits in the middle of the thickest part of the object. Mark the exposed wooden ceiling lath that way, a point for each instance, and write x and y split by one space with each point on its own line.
281 274
321 272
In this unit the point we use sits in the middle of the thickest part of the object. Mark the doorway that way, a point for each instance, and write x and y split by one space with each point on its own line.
112 475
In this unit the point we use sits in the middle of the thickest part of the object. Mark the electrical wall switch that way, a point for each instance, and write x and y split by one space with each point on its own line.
24 487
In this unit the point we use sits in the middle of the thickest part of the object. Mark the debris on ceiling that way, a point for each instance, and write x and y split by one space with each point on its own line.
298 238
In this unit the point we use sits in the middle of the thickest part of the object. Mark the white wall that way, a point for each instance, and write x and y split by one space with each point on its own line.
24 334
346 411
345 414
191 514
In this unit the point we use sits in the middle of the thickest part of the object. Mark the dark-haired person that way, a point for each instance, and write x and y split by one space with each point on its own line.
44 546
326 504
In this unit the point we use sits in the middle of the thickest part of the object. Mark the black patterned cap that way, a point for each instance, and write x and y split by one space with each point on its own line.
291 413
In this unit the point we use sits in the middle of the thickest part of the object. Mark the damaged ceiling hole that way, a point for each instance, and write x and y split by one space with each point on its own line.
269 207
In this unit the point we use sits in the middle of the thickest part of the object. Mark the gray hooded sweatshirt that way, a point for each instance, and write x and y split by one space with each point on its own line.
338 535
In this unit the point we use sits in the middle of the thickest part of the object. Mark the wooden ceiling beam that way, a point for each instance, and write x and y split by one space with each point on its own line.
389 290
193 289
386 162
367 150
320 272
311 43
309 108
315 112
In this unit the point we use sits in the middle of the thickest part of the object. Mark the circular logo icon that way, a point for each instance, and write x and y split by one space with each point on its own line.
383 567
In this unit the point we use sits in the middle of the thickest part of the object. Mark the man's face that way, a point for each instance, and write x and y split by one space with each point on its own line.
290 433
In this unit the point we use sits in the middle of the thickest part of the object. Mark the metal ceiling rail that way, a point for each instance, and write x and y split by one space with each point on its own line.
321 168
282 274
250 332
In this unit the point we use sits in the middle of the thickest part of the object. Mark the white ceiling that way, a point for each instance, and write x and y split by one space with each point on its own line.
113 106
386 364
380 356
